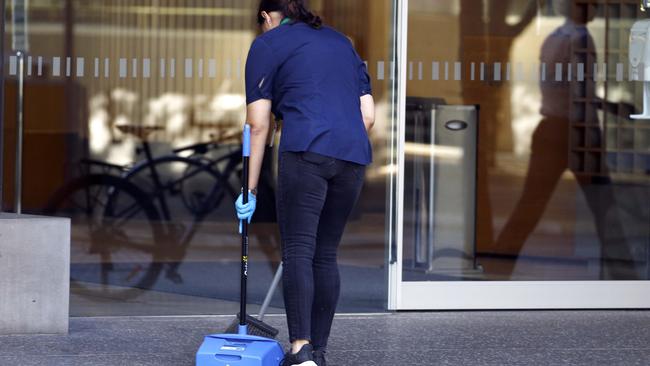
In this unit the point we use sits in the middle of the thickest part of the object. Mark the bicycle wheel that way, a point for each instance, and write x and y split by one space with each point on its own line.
190 187
116 240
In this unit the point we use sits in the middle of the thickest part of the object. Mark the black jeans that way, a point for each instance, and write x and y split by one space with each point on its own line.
315 197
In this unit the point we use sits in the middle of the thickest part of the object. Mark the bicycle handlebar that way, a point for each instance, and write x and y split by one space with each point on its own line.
203 147
200 148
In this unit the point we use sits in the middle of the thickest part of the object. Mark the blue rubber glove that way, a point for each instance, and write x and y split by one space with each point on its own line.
245 211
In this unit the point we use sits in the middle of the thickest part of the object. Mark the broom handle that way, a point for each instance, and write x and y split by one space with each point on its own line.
244 244
270 292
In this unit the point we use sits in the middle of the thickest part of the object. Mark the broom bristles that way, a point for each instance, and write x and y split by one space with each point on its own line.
255 328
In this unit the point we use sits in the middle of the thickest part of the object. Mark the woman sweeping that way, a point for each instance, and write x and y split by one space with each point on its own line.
310 76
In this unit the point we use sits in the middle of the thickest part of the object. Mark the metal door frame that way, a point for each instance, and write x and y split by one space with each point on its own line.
475 295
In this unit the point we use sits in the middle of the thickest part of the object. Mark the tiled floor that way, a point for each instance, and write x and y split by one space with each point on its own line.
446 338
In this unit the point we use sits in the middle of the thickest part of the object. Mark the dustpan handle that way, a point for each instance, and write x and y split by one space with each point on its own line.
246 149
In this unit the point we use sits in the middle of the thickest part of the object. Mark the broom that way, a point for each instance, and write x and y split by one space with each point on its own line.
246 324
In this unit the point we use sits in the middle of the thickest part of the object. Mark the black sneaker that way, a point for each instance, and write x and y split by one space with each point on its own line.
319 358
302 358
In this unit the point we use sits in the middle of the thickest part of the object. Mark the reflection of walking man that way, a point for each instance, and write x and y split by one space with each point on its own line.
570 44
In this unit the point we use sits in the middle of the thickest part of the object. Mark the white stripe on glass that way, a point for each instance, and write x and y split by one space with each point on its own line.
212 68
81 63
13 65
56 66
619 72
134 68
453 70
519 71
581 72
123 71
497 71
146 68
534 72
188 68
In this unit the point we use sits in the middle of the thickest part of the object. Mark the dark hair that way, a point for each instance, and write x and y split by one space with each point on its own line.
293 9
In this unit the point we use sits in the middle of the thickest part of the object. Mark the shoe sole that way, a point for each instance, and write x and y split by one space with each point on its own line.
308 363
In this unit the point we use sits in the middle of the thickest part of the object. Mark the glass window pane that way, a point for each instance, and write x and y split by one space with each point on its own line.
133 115
561 175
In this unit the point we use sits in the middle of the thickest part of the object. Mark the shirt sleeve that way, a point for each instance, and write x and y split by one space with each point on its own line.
365 86
260 72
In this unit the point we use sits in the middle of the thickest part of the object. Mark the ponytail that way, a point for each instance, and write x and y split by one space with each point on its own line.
297 10
293 9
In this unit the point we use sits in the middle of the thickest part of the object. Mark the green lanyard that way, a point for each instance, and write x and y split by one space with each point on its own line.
286 20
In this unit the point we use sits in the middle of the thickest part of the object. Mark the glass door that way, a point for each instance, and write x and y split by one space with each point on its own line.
521 180
115 90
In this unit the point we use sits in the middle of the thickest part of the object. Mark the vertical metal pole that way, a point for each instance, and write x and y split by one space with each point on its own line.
72 113
19 133
432 189
401 57
2 99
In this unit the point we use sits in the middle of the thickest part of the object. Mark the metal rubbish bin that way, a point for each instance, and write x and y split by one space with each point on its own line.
440 212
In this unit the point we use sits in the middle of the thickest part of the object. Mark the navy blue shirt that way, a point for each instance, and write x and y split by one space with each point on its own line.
314 78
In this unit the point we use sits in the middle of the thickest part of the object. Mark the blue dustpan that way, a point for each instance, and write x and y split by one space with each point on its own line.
240 349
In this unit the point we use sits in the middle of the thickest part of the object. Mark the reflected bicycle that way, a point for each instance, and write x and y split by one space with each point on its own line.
123 232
